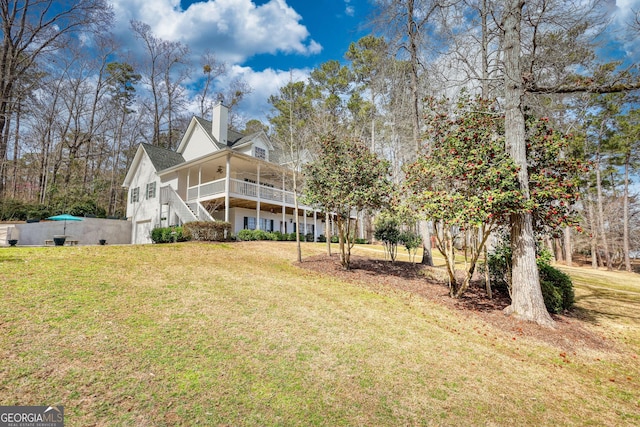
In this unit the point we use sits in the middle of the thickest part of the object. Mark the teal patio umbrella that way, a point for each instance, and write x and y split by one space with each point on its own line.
65 218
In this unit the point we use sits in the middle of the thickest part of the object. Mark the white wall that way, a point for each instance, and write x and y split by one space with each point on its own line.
86 232
199 145
237 220
145 210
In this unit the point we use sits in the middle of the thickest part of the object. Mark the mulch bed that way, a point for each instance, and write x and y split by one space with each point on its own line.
571 332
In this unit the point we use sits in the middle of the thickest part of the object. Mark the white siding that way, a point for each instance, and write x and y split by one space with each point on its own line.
237 220
145 211
198 145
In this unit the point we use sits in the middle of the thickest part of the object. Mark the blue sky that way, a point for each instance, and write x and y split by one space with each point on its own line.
260 40
263 40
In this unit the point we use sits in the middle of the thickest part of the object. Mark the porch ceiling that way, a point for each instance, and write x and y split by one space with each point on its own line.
234 202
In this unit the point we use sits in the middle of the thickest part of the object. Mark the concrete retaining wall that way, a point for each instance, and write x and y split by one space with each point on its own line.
87 232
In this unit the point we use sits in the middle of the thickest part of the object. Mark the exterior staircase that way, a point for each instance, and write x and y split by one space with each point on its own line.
186 212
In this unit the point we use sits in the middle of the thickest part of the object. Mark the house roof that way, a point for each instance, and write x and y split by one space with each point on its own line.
161 157
232 136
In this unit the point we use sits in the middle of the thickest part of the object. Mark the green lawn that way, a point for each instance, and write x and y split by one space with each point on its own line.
235 335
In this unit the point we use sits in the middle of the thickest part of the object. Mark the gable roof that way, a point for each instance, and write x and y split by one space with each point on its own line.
232 135
161 158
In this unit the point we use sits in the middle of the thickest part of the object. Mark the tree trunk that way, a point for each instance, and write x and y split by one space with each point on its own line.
327 231
527 302
487 278
427 258
295 202
601 229
568 248
16 150
485 50
593 241
625 214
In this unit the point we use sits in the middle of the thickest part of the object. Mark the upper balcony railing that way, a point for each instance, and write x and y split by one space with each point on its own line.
238 188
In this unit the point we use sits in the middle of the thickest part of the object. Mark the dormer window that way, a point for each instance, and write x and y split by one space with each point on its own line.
260 153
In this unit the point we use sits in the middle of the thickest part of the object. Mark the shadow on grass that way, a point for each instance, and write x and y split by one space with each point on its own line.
597 303
474 299
400 269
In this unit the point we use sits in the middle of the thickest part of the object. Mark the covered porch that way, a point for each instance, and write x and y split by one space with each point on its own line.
227 182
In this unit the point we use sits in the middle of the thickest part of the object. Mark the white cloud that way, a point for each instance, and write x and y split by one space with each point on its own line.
234 29
348 9
264 84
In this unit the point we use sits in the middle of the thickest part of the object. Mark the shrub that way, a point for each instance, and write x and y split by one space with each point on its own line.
557 289
556 286
387 230
360 241
411 241
277 235
335 239
251 235
322 238
209 231
245 235
168 235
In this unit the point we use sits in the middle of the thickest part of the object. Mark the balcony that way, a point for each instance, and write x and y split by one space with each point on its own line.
241 189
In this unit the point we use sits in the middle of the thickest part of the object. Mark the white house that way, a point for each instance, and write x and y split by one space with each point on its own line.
215 174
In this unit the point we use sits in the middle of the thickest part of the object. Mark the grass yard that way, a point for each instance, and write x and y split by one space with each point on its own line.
236 335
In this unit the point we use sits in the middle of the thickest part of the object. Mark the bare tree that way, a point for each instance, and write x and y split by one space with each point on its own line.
212 68
292 113
32 29
163 70
407 22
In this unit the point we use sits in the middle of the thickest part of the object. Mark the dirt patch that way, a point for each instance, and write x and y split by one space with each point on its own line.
571 332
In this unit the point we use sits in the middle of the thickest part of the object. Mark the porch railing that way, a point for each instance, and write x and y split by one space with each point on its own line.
168 195
200 211
240 188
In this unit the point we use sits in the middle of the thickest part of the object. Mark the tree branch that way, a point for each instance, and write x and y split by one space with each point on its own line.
588 88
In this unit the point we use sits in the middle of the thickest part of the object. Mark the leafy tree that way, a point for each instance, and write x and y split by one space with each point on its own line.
387 230
329 85
121 82
369 59
465 181
468 182
346 180
411 241
255 125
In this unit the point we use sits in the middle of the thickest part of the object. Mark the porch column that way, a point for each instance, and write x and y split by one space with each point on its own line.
188 182
258 203
305 220
315 225
227 188
199 181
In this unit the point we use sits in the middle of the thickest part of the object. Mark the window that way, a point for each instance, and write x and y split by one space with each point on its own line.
249 223
135 195
151 190
260 153
266 224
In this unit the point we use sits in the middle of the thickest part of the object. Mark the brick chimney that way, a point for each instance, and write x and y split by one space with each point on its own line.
220 123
